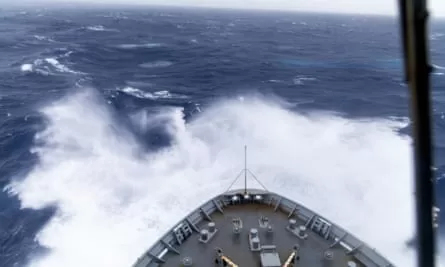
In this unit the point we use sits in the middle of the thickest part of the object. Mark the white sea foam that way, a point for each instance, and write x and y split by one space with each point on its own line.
136 46
26 67
156 64
43 38
438 67
59 66
98 28
149 95
114 203
300 80
436 36
47 66
276 81
34 68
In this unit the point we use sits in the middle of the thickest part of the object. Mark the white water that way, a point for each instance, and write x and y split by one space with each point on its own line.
96 28
26 67
114 203
149 95
45 66
136 46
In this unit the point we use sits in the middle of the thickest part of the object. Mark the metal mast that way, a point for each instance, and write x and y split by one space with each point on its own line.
413 18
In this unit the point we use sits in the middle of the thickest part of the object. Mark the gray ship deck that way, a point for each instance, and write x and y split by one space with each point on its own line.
279 223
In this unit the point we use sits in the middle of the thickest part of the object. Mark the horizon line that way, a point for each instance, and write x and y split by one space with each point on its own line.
49 4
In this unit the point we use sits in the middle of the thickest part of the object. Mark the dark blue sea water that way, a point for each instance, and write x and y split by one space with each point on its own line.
114 123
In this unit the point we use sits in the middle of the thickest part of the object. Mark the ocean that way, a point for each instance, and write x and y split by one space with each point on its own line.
115 122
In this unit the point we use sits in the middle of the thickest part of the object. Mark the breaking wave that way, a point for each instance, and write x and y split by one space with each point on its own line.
58 66
114 200
47 66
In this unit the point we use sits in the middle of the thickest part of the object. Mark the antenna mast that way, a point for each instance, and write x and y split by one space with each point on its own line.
245 170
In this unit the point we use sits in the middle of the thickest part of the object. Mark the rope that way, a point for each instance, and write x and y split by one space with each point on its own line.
289 260
229 261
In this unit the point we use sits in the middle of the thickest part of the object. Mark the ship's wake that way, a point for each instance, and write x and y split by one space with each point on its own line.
114 199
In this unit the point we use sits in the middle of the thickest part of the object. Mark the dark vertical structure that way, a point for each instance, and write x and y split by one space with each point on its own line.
413 16
245 170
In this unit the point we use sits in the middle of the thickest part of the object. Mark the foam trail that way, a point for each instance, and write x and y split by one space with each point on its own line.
114 202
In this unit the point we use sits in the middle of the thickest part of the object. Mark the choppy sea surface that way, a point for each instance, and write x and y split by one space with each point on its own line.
115 123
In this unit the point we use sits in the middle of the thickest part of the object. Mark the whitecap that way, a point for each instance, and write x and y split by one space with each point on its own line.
113 16
156 64
136 46
436 36
139 84
276 81
59 66
299 80
164 94
136 92
31 68
401 121
46 67
43 38
27 67
67 54
98 28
